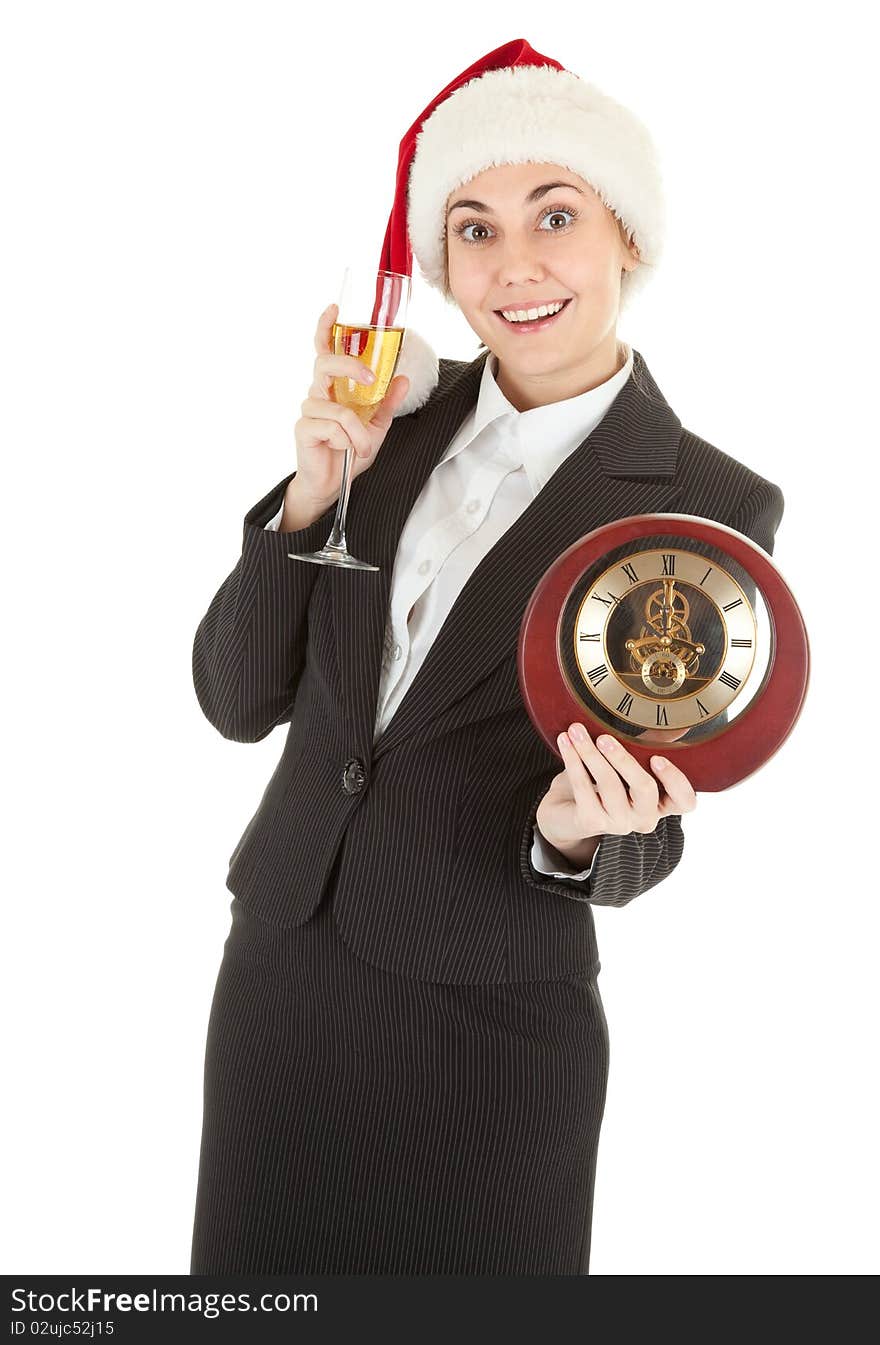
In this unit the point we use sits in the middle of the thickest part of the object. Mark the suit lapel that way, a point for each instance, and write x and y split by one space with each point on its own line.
626 466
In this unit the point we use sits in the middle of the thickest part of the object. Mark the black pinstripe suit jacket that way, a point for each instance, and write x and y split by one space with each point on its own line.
426 835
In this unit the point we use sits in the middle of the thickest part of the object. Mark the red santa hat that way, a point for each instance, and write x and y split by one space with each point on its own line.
514 105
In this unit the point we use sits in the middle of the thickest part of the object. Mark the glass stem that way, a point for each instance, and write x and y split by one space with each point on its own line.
336 540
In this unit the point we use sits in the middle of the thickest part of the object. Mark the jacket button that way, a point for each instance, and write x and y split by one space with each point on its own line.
354 776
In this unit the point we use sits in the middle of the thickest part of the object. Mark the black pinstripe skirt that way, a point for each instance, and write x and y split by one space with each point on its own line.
360 1122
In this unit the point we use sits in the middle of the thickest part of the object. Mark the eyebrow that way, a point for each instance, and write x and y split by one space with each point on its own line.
532 197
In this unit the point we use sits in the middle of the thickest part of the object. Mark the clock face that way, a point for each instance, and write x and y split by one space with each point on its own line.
665 639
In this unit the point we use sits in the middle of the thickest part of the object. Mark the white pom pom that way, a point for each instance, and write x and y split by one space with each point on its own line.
422 368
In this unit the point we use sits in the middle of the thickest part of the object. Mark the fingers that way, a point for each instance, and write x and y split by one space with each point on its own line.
615 770
582 787
329 366
680 794
315 430
643 788
597 788
384 413
330 363
337 417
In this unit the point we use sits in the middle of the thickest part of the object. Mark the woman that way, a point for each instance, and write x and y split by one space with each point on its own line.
407 1052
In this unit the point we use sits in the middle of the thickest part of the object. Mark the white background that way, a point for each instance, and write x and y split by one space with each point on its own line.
183 185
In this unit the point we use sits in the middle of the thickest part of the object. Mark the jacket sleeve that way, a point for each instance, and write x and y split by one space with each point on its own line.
623 866
249 648
626 866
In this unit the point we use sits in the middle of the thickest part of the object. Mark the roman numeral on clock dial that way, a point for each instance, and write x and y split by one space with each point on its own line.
625 705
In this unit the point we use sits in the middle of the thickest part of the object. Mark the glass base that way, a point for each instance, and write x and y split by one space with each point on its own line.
343 559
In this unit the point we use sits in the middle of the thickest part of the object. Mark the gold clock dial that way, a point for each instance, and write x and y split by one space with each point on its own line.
664 638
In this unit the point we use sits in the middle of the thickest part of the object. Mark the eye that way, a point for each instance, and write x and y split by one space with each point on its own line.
469 224
548 213
558 210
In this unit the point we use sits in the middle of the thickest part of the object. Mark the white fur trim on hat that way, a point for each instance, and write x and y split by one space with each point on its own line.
420 364
535 114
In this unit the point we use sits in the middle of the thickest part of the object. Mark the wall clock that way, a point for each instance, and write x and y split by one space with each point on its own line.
667 629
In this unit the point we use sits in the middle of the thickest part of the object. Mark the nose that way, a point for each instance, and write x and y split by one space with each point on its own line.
518 264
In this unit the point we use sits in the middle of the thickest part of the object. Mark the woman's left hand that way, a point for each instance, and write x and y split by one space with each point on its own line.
589 798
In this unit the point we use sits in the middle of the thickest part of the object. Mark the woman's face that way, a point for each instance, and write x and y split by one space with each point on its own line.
513 244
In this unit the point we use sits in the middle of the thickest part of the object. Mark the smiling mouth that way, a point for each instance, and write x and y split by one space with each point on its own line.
535 324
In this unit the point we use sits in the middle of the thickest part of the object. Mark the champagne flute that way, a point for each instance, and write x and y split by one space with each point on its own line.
370 325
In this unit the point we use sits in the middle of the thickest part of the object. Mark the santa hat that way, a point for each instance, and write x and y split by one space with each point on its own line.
514 106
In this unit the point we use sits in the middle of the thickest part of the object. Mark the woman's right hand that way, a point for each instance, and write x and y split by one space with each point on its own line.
326 428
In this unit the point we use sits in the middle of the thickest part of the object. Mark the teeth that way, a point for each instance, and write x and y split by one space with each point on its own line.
529 315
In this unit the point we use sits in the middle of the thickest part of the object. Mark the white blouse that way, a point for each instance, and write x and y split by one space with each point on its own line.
492 469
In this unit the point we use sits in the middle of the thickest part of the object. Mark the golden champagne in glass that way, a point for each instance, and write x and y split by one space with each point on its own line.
379 348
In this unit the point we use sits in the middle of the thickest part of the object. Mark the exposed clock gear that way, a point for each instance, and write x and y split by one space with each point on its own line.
664 654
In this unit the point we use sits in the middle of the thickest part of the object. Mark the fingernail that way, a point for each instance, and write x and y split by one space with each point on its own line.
608 744
577 731
368 376
563 740
659 762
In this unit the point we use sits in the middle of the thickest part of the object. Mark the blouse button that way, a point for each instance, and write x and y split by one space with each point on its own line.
473 506
424 567
397 651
